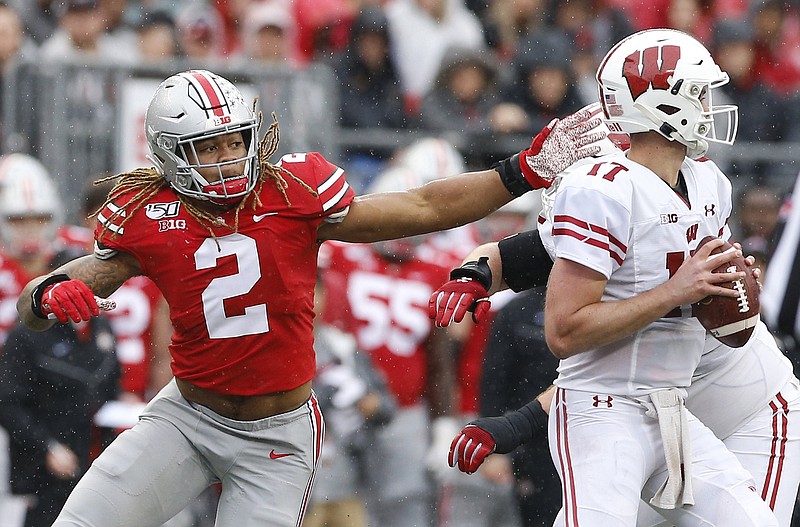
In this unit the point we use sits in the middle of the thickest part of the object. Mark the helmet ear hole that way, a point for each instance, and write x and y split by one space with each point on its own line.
668 109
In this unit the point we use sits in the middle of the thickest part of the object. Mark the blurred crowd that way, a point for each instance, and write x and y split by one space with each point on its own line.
395 389
464 67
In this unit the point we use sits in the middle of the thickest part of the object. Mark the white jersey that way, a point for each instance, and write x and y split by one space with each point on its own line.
620 219
731 384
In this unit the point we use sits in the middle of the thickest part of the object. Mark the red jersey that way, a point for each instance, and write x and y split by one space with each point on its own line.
132 323
385 306
75 237
241 303
12 279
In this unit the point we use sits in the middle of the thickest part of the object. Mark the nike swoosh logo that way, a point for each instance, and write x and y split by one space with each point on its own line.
259 217
275 455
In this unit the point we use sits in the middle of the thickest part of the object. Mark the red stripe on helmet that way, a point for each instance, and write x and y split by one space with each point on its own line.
211 93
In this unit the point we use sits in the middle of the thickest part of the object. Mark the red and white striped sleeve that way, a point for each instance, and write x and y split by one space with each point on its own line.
335 194
591 228
329 181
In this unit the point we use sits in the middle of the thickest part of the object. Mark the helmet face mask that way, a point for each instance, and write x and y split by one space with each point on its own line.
193 107
662 80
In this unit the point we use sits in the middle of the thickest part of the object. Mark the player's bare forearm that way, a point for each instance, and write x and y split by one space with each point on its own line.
102 276
441 204
571 330
492 252
577 319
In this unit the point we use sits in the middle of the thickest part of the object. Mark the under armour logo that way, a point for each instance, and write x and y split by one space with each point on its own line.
710 209
598 400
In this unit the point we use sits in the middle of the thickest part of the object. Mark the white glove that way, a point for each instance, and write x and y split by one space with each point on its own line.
443 430
577 136
599 145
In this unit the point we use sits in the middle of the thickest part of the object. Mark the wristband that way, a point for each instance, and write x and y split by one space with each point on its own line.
515 428
478 271
511 175
38 292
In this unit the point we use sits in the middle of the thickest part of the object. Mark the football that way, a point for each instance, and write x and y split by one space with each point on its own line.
730 320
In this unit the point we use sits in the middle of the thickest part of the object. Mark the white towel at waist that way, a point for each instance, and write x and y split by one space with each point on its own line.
668 407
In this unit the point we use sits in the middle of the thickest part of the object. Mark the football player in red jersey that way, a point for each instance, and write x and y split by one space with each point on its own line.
29 219
231 240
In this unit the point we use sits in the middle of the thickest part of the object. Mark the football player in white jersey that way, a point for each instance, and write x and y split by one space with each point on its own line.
623 229
749 397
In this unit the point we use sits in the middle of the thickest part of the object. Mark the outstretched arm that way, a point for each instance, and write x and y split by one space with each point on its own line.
101 277
441 204
456 200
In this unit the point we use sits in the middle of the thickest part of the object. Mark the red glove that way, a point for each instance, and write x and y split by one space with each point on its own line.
470 448
467 290
71 299
452 300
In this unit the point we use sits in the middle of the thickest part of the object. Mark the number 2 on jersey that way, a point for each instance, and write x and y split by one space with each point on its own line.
219 324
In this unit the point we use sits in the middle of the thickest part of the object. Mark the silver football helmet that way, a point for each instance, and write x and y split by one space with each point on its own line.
661 80
193 106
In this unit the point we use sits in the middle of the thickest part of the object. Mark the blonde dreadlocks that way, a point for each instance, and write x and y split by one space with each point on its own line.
146 182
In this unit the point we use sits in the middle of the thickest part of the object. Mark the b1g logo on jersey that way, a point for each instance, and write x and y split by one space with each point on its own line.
157 211
650 68
169 225
668 218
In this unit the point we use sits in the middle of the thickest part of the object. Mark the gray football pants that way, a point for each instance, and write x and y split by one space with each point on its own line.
152 471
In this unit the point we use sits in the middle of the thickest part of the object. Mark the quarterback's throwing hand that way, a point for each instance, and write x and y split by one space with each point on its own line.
71 299
470 448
